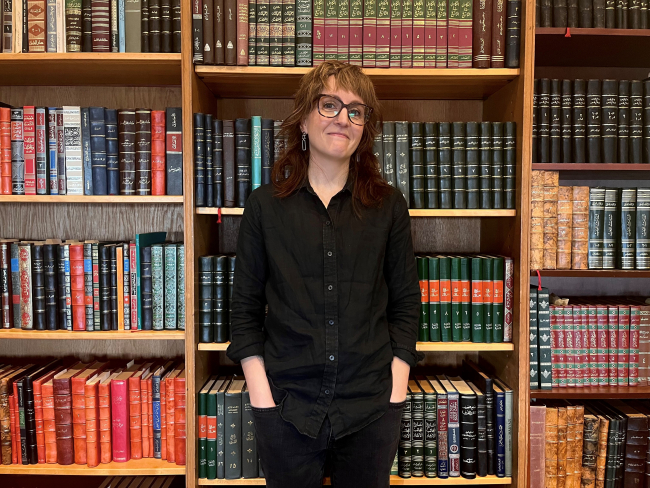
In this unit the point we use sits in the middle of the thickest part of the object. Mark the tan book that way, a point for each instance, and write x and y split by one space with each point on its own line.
537 446
551 186
562 432
564 226
601 460
578 444
580 228
550 451
537 221
590 451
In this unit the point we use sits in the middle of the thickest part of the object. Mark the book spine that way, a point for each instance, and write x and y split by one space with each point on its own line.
38 287
601 344
609 121
388 146
126 287
416 166
472 164
642 251
120 421
627 251
199 160
356 32
242 33
112 152
623 130
143 152
288 33
513 33
377 41
170 420
98 149
594 122
77 287
166 26
91 413
15 285
41 152
5 285
127 154
5 151
63 420
497 165
144 29
267 144
256 152
596 227
636 122
252 31
157 152
180 290
468 435
104 425
644 345
135 417
86 26
431 164
566 125
534 339
86 152
157 286
156 404
330 32
88 286
395 51
176 25
29 146
146 289
180 434
465 34
79 420
402 159
26 296
104 288
243 160
49 423
155 28
485 163
622 356
544 121
7 27
579 122
405 446
418 33
318 33
612 344
170 316
497 56
407 34
96 307
453 433
554 118
174 146
17 152
114 23
458 165
101 26
73 150
635 329
275 32
430 33
304 39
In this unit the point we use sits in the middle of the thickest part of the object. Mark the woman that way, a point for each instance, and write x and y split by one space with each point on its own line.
329 248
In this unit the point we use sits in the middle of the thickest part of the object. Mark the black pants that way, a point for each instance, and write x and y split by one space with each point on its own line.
359 460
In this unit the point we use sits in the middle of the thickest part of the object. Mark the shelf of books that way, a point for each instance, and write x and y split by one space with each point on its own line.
139 467
394 481
421 346
412 212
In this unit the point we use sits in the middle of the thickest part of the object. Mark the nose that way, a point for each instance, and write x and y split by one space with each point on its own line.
343 118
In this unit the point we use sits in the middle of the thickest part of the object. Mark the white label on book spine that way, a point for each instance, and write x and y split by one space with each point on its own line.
73 153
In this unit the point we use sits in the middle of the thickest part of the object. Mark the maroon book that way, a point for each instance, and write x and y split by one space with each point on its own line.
441 35
498 34
418 33
242 32
343 31
482 46
465 35
430 34
331 28
407 34
370 26
62 388
101 26
395 33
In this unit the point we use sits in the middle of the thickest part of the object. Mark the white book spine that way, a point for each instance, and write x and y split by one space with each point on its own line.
51 26
73 153
60 26
17 7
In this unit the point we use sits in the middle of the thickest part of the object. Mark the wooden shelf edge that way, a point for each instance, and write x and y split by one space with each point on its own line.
163 335
169 58
140 467
593 273
394 480
205 71
590 167
421 346
602 392
175 199
412 212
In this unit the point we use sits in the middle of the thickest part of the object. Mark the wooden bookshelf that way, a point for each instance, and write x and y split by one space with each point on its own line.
108 199
421 346
139 467
113 335
593 393
591 167
593 273
413 212
394 481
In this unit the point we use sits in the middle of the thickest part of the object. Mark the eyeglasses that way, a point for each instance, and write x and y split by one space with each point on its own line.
330 106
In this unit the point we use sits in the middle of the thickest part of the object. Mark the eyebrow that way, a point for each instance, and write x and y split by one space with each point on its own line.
334 96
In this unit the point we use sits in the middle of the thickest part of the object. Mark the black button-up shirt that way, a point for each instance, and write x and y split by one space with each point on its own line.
343 299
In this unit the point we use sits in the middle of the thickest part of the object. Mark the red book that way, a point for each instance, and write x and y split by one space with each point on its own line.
14 429
497 55
242 32
101 26
592 328
319 33
5 151
63 413
77 290
150 413
356 33
41 151
430 34
601 343
465 35
612 345
78 385
133 263
49 424
622 368
554 346
407 34
578 344
120 415
25 268
157 152
135 411
163 418
569 339
635 328
38 412
418 33
343 31
17 132
29 138
171 419
561 347
382 34
370 25
104 427
441 35
91 390
331 32
644 346
179 418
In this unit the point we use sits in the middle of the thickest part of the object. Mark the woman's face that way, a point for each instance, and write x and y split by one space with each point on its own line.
333 138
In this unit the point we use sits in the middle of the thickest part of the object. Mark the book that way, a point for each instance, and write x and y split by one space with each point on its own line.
174 149
233 428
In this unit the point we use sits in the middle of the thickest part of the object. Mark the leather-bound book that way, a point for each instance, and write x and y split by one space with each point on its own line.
646 121
199 160
176 26
497 165
388 146
174 145
596 226
636 122
180 435
562 430
41 152
610 14
378 149
603 441
86 152
112 152
555 153
482 42
105 287
472 164
444 161
170 419
599 14
453 21
157 152
252 31
145 24
39 412
230 290
579 122
538 439
98 149
120 426
207 32
157 286
627 221
465 34
497 56
197 31
544 121
559 13
5 149
485 165
26 295
402 168
217 161
431 164
65 312
546 13
7 416
35 22
635 326
642 254
101 26
551 183
636 447
127 145
15 285
155 27
622 14
171 286
105 418
147 427
209 171
233 429
509 163
157 407
88 287
5 285
38 287
77 289
219 299
513 33
206 331
63 413
416 165
458 165
623 131
594 133
468 428
395 50
249 442
289 34
609 121
230 31
29 145
24 392
243 160
417 429
275 31
97 315
165 26
564 226
377 40
136 397
143 152
585 7
611 227
73 28
91 407
304 37
17 152
180 291
78 386
263 47
135 26
267 151
146 289
86 26
643 21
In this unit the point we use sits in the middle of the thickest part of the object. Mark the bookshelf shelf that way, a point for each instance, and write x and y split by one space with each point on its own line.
90 199
394 83
394 481
413 212
139 467
592 273
421 346
591 167
599 392
66 335
82 69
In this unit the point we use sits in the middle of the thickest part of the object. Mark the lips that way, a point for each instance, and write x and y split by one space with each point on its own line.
338 134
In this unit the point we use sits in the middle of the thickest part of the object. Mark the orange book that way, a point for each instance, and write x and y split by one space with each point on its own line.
144 404
135 411
169 384
180 434
150 407
15 439
104 407
49 426
157 152
119 250
91 389
38 411
163 418
78 386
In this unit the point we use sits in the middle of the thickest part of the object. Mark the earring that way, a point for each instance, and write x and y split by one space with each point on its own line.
304 141
357 157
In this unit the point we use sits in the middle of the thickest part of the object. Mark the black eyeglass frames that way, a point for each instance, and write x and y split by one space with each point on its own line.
330 106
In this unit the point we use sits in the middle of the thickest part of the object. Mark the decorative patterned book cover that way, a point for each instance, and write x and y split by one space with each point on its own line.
275 32
174 148
404 450
26 297
441 406
377 41
304 39
145 298
642 251
430 428
263 33
41 152
395 52
73 25
417 429
402 158
318 34
170 270
331 29
288 33
104 287
465 34
612 344
73 151
635 329
453 426
627 243
17 153
157 152
252 30
356 32
418 33
5 151
15 284
101 26
343 30
29 145
242 44
564 227
533 347
158 284
644 345
407 34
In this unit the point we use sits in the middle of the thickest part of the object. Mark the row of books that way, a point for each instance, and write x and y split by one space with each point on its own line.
370 33
466 298
453 427
69 412
599 14
450 165
588 228
139 482
593 121
93 286
593 443
90 151
101 26
227 443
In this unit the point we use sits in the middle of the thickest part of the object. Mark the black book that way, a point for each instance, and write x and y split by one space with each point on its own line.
243 160
572 13
144 22
248 442
268 145
546 11
176 26
544 120
610 232
610 14
174 150
404 449
535 104
579 121
596 227
623 121
585 13
231 287
229 163
199 159
609 121
154 26
378 149
112 153
402 158
643 23
165 26
471 164
112 251
497 164
388 144
51 286
642 258
417 429
444 164
105 287
599 14
621 14
233 429
559 13
431 163
209 172
593 122
217 161
30 414
627 245
62 313
146 289
513 33
636 122
481 431
458 164
206 333
98 149
219 299
38 287
197 33
221 422
86 26
565 122
555 131
646 121
485 163
416 165
468 404
538 13
430 428
484 383
510 162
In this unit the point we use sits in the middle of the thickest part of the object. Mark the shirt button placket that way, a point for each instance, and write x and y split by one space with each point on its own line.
331 311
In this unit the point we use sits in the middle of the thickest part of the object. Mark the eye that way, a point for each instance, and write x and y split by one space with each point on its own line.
355 113
328 105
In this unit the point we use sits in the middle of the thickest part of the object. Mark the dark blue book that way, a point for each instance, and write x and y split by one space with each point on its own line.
155 403
85 150
98 149
112 153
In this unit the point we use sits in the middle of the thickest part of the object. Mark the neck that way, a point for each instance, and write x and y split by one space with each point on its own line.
330 174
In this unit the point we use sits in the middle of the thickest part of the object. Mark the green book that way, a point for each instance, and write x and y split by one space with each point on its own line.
395 50
142 241
256 152
626 250
430 428
423 276
157 286
488 272
456 305
533 336
221 424
597 226
429 25
383 29
171 286
453 24
465 299
465 28
418 33
497 299
477 300
303 32
204 428
434 298
445 298
642 257
180 280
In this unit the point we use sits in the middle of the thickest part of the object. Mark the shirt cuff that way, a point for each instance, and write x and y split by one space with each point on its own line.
407 354
236 354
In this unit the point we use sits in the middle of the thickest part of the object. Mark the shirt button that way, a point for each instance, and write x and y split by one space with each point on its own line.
328 223
331 358
327 392
330 287
329 253
331 322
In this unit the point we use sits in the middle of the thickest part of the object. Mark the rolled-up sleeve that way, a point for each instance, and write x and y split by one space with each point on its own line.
401 276
249 298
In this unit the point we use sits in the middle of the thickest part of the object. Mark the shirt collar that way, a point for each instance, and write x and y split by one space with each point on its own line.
349 184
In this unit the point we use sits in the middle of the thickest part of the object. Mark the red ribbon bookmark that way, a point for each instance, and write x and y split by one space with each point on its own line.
539 280
219 215
568 32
